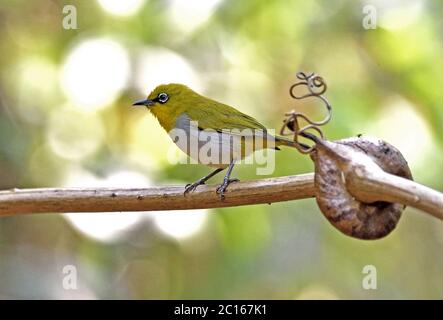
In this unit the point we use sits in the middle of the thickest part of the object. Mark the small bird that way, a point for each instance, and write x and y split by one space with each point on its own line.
229 134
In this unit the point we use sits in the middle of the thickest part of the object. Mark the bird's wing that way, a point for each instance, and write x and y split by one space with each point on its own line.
219 117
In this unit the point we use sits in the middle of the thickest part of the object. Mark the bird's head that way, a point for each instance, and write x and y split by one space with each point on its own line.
169 101
168 98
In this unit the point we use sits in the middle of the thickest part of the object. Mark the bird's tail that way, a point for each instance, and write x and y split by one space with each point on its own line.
283 141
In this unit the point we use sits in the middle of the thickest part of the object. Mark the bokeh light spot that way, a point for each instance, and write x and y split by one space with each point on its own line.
121 8
73 134
36 87
181 224
317 292
188 15
398 14
162 66
94 73
402 126
105 226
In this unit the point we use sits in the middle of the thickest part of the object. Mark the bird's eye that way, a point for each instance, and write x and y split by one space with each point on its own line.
162 97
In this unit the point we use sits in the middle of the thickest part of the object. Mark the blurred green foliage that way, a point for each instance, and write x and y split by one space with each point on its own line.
65 120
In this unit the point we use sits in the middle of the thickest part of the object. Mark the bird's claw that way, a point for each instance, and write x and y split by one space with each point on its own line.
222 188
190 187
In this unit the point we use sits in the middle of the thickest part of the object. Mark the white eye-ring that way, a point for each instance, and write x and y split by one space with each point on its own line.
162 97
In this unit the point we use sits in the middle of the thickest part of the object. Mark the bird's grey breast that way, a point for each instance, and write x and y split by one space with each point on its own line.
206 146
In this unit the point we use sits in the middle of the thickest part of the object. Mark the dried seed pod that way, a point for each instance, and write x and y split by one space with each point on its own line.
349 215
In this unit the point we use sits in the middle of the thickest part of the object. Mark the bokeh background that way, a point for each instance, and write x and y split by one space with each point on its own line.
66 120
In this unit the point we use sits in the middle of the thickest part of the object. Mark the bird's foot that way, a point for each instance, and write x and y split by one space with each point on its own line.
222 188
190 187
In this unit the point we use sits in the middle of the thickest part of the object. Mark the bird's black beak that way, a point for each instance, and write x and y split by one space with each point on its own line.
144 102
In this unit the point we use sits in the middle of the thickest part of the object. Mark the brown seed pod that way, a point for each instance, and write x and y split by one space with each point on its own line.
351 216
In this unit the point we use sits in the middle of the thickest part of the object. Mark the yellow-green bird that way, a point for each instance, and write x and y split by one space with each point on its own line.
219 132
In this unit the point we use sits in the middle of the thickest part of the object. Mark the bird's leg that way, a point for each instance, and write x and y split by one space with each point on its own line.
192 186
226 181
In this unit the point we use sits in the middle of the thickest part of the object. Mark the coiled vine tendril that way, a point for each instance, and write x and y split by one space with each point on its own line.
291 124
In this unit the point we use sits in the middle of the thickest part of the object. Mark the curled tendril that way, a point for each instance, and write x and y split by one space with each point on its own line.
316 88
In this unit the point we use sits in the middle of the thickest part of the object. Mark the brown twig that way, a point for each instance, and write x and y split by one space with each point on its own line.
368 186
155 198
